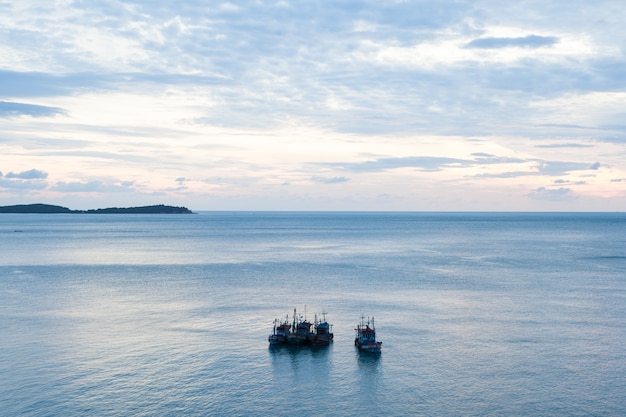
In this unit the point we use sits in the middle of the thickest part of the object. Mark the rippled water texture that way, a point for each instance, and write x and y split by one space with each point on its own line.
479 314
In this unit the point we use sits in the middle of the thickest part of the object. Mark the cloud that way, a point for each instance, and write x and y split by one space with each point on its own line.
333 180
93 187
508 174
559 194
483 158
22 184
38 84
181 185
614 139
433 163
562 181
563 145
26 180
541 167
41 84
32 174
557 168
12 109
298 61
530 41
427 163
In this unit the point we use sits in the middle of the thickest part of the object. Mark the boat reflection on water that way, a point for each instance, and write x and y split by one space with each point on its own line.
293 350
304 363
367 361
369 377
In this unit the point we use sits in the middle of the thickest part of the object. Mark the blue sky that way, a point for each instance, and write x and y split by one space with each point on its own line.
314 105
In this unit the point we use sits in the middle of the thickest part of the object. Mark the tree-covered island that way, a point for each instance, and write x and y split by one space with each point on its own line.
48 208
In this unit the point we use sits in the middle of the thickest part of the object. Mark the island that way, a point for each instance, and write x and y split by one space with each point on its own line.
52 209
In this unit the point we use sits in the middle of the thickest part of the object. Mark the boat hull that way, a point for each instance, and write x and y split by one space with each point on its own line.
322 339
298 339
369 347
277 340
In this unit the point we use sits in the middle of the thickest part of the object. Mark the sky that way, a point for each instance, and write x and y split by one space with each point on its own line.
446 105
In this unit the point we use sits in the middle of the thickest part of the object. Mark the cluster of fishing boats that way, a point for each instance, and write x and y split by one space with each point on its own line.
298 332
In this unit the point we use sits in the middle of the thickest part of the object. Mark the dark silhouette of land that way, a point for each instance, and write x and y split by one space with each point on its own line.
48 208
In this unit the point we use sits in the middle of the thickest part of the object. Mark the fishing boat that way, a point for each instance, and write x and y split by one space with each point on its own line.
322 331
301 330
281 332
365 338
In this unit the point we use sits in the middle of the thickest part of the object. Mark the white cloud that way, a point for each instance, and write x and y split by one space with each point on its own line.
458 49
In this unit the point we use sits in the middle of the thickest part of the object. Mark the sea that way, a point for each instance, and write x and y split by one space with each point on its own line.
480 314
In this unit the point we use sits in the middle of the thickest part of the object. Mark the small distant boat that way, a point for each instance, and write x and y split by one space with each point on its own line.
365 338
301 330
323 331
282 330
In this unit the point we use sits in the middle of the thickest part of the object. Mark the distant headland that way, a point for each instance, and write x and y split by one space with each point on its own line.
48 209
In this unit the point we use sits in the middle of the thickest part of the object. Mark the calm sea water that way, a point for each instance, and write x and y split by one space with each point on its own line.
479 314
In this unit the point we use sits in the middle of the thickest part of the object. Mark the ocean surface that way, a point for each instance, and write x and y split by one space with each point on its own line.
480 314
